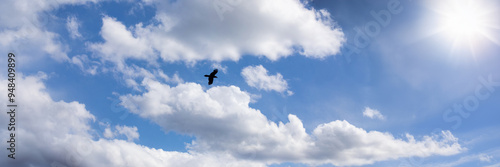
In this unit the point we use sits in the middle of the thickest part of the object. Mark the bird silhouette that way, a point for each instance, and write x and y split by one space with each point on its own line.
211 77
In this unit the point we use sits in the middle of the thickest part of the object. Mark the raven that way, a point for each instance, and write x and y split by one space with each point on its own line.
211 77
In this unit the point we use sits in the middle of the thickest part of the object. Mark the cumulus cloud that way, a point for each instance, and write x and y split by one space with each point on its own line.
228 132
31 40
373 114
191 31
120 43
258 77
58 133
222 122
23 29
72 25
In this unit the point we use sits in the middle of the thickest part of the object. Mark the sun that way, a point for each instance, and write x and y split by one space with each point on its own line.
466 22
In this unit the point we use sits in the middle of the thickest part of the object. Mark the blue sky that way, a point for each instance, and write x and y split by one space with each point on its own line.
300 83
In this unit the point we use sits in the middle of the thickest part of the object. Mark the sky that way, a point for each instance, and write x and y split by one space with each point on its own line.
325 83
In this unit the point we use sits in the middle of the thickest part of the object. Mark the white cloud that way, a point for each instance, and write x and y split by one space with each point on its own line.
220 67
463 160
373 114
258 77
32 40
72 26
485 157
494 165
108 133
120 44
174 79
58 133
132 74
228 132
129 132
222 122
23 29
191 31
85 64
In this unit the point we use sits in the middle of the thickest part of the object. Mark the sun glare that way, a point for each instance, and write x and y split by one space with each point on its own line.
462 23
467 23
464 20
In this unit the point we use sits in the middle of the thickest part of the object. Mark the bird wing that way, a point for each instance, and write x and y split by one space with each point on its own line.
210 80
214 72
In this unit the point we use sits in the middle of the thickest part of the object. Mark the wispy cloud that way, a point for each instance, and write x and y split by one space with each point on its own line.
482 158
72 26
85 64
220 67
494 165
373 114
485 157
